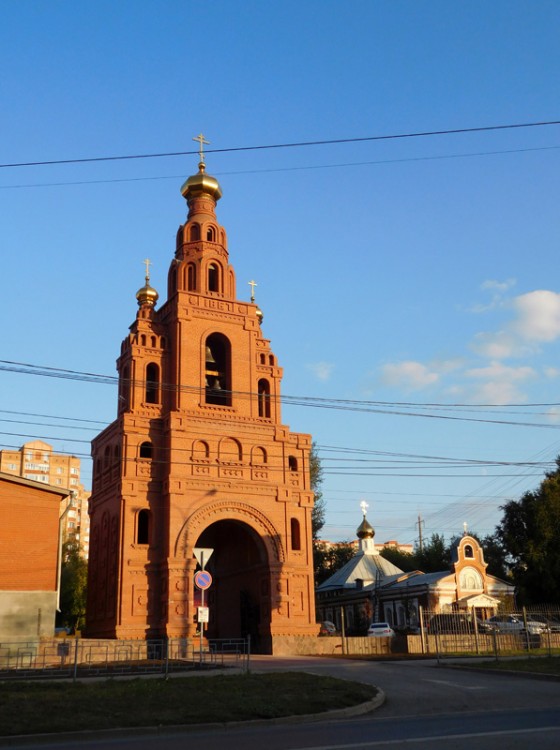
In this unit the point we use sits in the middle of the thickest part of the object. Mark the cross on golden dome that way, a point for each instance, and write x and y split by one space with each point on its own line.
202 142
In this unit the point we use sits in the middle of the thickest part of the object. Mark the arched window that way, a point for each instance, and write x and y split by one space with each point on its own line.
211 234
200 450
195 232
292 463
143 527
107 456
153 342
217 367
213 278
146 449
468 551
172 281
152 383
230 451
191 277
259 455
263 359
124 387
271 359
143 340
295 532
264 398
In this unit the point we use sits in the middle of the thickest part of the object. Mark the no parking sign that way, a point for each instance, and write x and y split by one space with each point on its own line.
202 580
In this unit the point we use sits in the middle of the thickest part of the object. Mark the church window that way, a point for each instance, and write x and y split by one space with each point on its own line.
264 398
211 234
263 359
201 450
292 463
124 386
259 455
271 359
195 232
143 527
295 532
153 342
152 383
468 551
213 278
217 366
146 449
471 580
230 451
143 340
107 456
191 277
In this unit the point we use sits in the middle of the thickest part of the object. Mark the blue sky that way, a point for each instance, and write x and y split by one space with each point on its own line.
416 273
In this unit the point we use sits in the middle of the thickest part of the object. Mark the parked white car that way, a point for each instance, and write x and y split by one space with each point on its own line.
380 630
514 624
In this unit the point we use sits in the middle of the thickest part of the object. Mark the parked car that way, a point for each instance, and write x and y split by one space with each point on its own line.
380 630
327 628
454 623
514 624
551 623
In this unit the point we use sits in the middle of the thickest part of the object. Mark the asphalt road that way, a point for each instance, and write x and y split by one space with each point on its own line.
426 707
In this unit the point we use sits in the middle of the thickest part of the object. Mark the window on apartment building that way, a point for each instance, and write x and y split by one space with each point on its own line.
74 471
73 481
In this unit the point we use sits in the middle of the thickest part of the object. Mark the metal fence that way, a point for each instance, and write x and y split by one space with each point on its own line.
452 633
77 658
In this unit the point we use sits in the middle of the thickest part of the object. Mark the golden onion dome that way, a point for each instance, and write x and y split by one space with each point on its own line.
260 315
147 295
201 183
365 530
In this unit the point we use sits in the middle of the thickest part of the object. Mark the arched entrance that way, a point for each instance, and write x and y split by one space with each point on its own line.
239 596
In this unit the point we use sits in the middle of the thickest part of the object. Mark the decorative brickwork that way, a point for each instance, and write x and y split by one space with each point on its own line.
198 457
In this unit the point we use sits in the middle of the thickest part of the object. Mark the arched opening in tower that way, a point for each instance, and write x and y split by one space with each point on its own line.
238 598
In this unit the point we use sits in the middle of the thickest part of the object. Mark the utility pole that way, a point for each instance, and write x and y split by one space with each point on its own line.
420 524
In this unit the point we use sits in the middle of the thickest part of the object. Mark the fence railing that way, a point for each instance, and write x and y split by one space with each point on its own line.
81 657
453 633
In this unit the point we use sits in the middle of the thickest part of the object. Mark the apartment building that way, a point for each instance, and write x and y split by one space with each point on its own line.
38 462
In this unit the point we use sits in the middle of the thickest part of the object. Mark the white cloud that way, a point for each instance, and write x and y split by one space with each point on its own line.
499 384
552 372
538 315
410 375
498 286
553 414
321 370
498 289
537 321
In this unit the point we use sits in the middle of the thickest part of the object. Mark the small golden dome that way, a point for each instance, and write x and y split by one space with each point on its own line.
365 530
201 183
147 295
260 315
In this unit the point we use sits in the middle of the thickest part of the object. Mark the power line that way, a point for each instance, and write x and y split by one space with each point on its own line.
294 144
371 407
271 170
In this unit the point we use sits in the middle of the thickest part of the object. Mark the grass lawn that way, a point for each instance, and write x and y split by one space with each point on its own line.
32 707
537 665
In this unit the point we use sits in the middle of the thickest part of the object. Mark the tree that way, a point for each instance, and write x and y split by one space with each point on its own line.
404 560
434 555
328 558
318 512
530 535
73 586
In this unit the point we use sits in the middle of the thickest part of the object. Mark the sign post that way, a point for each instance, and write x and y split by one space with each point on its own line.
202 580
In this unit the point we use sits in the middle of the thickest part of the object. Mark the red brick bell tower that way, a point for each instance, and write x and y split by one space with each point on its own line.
198 457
